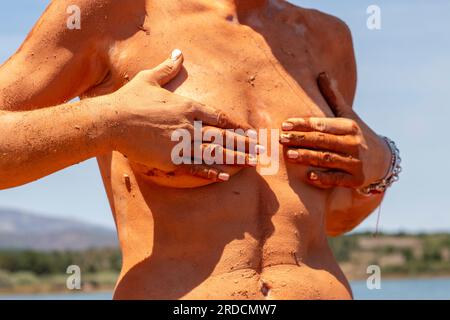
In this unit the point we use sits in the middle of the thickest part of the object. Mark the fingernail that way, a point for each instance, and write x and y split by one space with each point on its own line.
224 176
292 154
252 161
251 133
284 138
313 176
260 149
176 54
287 126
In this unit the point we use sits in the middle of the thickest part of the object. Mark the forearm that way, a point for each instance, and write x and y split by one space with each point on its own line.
348 208
36 143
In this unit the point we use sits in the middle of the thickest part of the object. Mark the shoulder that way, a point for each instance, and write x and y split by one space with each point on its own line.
87 7
60 9
93 15
74 23
332 34
317 21
329 23
335 48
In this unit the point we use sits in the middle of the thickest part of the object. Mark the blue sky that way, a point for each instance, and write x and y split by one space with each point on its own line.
404 81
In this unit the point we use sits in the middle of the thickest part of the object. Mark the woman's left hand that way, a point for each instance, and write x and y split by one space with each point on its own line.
348 153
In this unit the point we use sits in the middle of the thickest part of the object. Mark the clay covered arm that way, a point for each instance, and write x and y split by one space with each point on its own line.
349 154
56 64
347 208
53 65
344 154
36 143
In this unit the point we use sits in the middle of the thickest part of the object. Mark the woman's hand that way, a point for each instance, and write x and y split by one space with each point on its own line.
342 151
145 116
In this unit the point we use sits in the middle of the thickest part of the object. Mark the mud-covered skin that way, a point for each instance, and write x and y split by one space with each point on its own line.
253 236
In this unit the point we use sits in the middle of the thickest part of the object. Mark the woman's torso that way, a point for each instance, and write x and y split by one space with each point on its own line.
255 236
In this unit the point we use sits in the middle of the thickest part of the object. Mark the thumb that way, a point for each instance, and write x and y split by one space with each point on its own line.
166 71
328 88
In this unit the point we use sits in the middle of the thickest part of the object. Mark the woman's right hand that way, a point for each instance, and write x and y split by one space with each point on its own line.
145 115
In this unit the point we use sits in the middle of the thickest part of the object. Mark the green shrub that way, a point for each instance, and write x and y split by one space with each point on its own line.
5 280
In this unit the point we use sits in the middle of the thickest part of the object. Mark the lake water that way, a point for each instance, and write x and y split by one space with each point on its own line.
421 289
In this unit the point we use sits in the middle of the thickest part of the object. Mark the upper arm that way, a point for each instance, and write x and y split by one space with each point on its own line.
336 51
343 61
343 213
55 63
345 71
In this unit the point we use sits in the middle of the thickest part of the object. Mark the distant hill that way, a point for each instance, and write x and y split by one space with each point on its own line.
24 230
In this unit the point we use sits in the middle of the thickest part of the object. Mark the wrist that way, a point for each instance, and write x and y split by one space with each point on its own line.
106 120
380 162
385 158
392 174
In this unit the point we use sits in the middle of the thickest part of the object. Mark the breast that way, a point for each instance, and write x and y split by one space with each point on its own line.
229 66
234 70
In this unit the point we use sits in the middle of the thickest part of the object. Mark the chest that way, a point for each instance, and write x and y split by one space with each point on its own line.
262 74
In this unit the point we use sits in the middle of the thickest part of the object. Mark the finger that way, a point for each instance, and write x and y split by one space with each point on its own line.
216 154
333 179
333 96
206 172
339 126
166 71
324 160
231 140
321 141
216 118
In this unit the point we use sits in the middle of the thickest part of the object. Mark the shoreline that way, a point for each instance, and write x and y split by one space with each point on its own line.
391 277
56 292
106 289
